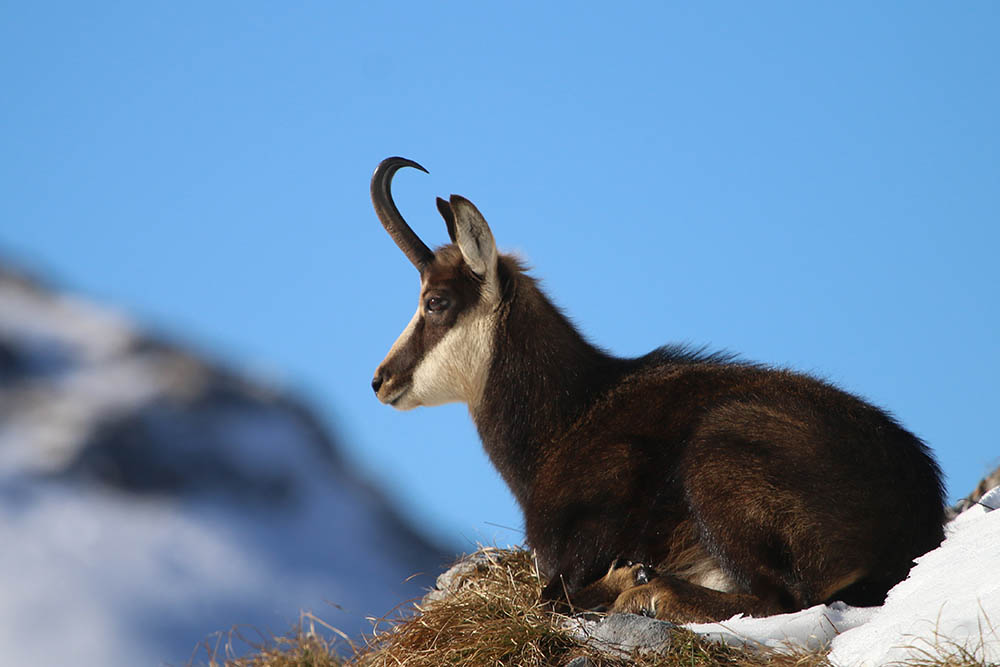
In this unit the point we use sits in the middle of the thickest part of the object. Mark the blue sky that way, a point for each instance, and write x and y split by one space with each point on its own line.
809 185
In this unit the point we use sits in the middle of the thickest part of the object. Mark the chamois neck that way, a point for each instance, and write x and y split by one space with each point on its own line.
543 374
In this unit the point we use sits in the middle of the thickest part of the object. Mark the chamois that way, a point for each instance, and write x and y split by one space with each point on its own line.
680 484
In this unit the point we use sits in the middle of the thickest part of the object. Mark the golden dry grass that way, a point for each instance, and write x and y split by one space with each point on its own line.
312 643
944 652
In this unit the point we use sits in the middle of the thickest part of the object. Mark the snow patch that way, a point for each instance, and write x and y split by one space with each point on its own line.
811 629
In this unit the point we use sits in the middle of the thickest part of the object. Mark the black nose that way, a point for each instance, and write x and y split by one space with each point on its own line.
376 383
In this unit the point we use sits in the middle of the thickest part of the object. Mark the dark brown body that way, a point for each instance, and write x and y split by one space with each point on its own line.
682 485
798 492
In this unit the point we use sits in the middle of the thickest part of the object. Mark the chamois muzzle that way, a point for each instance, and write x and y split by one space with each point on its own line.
411 245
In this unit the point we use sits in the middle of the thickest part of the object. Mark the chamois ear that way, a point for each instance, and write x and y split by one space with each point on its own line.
473 237
444 208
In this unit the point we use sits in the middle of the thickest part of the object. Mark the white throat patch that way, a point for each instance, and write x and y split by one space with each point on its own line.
457 367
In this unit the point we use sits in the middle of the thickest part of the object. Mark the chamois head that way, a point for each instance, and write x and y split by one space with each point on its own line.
443 354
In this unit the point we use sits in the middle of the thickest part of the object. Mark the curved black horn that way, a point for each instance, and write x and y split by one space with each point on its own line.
389 215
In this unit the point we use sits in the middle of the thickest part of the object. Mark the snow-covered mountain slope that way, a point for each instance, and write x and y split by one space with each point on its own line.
149 497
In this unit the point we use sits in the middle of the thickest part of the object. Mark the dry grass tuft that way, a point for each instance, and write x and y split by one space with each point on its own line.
305 646
944 652
493 617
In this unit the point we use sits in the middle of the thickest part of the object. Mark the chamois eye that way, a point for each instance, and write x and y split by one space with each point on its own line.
436 304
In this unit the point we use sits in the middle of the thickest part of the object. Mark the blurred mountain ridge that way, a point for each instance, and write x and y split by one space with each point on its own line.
142 480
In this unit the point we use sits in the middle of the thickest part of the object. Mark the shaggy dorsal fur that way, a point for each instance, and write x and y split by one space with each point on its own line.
681 484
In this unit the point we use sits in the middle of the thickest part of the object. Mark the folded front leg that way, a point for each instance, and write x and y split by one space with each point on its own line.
669 598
